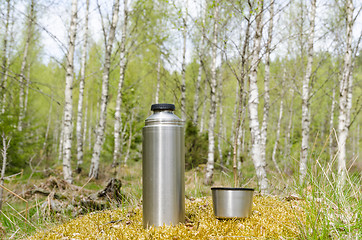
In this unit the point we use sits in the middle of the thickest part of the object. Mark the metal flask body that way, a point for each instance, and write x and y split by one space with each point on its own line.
163 168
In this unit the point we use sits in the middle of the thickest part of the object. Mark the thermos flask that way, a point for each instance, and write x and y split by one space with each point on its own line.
163 168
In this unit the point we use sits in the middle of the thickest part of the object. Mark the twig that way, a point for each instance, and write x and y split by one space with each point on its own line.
16 195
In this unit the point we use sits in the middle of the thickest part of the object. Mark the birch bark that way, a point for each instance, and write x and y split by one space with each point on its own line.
199 75
100 128
68 102
256 151
122 67
79 132
4 72
278 136
213 82
158 80
183 67
331 126
343 95
305 99
264 126
23 65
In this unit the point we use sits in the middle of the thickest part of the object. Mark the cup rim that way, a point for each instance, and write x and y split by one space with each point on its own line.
232 188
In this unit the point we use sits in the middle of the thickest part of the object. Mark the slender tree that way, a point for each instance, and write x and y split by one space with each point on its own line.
122 67
213 83
30 23
68 102
100 128
79 133
268 50
256 151
183 67
343 93
4 65
306 97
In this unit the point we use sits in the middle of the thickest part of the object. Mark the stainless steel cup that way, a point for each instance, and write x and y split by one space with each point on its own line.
232 202
163 168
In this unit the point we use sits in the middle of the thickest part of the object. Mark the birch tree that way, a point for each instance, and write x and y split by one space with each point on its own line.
122 67
213 82
23 84
79 133
195 118
264 126
306 98
4 72
343 93
253 103
183 67
100 128
68 102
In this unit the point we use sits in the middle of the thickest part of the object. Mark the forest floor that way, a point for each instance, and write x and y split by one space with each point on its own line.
50 208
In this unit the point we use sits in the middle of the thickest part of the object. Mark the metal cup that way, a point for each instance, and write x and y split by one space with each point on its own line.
232 202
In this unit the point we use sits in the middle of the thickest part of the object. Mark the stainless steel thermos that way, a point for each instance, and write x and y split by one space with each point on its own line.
163 168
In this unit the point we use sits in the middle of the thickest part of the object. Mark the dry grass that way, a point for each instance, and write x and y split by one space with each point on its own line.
272 218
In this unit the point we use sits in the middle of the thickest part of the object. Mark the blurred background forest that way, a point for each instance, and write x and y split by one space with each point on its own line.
277 84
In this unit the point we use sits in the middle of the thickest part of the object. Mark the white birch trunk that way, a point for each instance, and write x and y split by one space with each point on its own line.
4 72
203 108
158 80
129 140
221 114
331 126
4 154
122 67
264 126
213 82
277 136
27 90
183 67
343 98
61 140
199 77
23 65
68 102
289 128
100 128
305 99
79 133
256 150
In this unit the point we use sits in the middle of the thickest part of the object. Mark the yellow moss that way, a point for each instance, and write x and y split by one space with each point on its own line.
272 218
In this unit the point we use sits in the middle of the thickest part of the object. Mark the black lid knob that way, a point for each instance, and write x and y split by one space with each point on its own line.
162 106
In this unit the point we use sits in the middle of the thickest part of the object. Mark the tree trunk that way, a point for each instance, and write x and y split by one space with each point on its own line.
221 110
122 70
23 65
100 128
343 95
277 136
4 72
305 99
256 151
213 82
79 133
331 126
203 108
158 80
68 105
264 126
183 67
289 128
4 154
199 75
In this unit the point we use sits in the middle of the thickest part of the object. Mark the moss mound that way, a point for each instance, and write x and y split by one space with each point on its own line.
272 218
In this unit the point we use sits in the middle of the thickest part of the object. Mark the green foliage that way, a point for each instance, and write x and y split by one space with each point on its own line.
196 147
